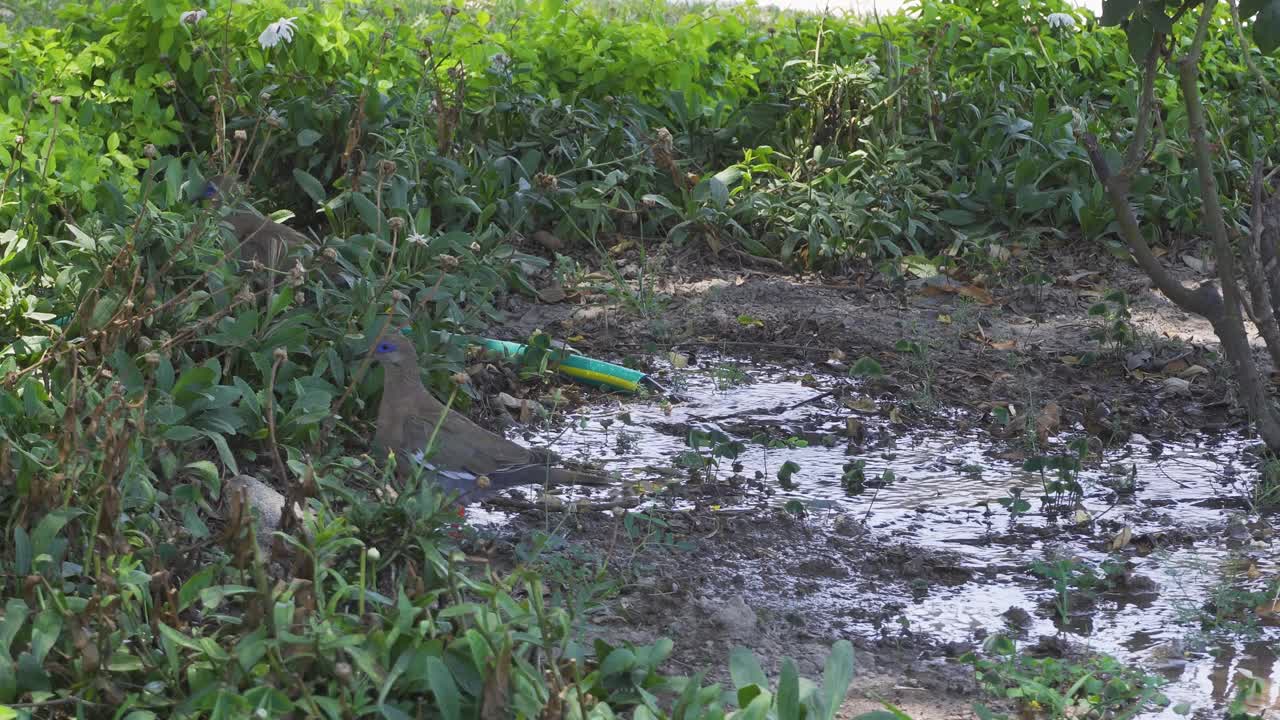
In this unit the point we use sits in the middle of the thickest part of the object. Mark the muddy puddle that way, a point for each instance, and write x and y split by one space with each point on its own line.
941 489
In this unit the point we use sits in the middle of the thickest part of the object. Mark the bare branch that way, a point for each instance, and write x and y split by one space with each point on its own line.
1228 324
1136 154
1255 279
1198 302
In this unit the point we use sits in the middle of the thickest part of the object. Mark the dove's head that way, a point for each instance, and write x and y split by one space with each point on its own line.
395 352
217 189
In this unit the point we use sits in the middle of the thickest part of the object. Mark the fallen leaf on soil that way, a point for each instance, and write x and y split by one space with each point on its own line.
1122 538
853 428
1175 367
866 405
895 417
1135 360
527 408
621 247
973 292
1082 516
552 294
1175 386
943 285
1070 360
1048 422
1269 611
548 241
1004 344
677 360
588 313
944 319
1193 371
1074 278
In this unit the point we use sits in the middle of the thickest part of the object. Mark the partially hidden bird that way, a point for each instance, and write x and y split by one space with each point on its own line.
467 459
260 238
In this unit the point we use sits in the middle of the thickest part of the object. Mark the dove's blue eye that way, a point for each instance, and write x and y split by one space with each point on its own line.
385 347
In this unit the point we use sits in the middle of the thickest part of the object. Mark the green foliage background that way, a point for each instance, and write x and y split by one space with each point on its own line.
421 145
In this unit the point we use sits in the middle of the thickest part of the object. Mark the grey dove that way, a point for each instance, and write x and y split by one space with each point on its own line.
463 451
260 238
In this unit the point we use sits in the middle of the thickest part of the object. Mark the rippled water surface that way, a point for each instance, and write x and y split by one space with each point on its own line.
944 493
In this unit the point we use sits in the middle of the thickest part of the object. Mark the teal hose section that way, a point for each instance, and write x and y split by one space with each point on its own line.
573 364
578 367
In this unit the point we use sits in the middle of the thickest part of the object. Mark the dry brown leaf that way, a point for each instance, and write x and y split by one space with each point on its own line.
1193 371
552 294
1269 612
1175 386
973 292
863 404
1004 344
1048 422
1121 538
1075 278
854 429
548 240
495 699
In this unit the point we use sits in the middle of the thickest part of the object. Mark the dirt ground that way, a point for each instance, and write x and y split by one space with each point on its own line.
753 579
1010 345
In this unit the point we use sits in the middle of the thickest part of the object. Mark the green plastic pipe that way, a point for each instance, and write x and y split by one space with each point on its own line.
579 367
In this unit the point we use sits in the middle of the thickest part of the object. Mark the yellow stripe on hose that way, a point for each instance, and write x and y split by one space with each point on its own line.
603 378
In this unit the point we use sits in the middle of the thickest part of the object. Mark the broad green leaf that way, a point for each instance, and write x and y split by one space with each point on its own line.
444 688
15 615
196 584
310 185
1115 12
1140 33
192 381
224 452
1266 27
44 633
745 669
619 661
959 218
369 213
836 676
788 692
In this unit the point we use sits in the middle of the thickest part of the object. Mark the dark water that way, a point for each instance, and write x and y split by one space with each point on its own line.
942 478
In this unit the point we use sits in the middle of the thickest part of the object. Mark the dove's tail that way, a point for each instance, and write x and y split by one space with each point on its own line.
470 488
540 474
